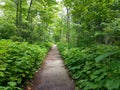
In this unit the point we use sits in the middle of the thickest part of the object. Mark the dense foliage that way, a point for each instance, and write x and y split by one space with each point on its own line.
18 63
93 68
91 34
89 31
90 21
24 22
29 21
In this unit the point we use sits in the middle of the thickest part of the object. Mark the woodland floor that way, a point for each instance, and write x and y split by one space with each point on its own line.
53 75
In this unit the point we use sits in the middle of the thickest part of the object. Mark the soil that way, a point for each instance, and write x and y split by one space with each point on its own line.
53 75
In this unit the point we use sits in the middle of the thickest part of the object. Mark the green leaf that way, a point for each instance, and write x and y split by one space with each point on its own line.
90 85
4 88
12 83
101 57
2 69
112 84
2 74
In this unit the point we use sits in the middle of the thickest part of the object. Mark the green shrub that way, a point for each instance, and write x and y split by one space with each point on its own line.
46 45
18 63
94 68
7 30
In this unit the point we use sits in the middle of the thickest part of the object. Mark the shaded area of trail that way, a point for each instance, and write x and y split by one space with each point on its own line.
53 75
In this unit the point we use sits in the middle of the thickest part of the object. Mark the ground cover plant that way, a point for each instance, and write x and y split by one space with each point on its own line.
18 63
93 68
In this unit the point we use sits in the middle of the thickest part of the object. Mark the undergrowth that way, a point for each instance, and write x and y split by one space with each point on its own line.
18 63
93 68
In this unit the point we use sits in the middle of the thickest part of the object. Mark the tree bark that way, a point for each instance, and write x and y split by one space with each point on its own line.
68 27
17 12
29 10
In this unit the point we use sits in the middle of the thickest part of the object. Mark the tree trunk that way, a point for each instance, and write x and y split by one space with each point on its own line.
29 10
68 27
17 13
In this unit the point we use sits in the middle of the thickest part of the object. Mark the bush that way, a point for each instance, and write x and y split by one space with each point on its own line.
19 62
46 45
94 68
7 30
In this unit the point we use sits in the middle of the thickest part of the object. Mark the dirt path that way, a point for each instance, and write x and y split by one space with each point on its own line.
53 75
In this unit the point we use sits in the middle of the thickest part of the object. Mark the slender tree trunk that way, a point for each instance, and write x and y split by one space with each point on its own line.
20 18
29 19
17 12
29 10
20 14
68 27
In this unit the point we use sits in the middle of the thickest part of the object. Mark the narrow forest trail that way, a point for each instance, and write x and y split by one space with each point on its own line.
53 75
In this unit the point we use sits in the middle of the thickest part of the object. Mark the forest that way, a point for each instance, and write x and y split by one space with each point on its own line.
87 33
